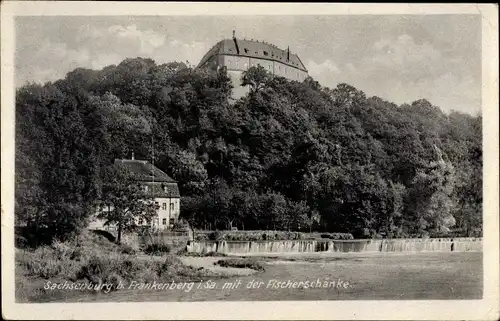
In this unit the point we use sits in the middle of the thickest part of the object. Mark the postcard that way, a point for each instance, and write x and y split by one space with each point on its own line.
249 161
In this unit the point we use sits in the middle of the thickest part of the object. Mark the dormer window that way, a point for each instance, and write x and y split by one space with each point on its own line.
265 53
246 50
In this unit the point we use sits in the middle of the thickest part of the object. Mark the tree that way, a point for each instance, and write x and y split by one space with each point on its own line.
287 153
256 78
58 158
124 201
430 201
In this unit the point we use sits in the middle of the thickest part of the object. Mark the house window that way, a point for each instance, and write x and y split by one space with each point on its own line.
172 221
172 207
269 67
164 206
246 50
146 188
246 65
141 221
164 221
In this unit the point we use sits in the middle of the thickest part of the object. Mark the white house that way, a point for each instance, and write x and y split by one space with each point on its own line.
160 186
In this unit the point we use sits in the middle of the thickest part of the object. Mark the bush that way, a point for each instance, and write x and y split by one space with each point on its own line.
157 248
249 263
216 236
194 254
95 263
127 249
266 236
181 226
337 236
46 262
201 236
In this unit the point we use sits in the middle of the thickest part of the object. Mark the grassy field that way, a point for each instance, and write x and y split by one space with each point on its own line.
60 271
401 276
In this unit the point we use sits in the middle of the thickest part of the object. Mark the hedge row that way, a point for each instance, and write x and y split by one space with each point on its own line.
265 236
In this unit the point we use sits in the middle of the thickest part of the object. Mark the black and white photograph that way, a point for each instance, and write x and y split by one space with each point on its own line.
250 157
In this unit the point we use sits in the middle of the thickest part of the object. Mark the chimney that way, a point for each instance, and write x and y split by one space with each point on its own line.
288 53
133 155
236 43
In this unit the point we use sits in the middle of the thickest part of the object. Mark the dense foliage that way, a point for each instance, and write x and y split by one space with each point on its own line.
288 156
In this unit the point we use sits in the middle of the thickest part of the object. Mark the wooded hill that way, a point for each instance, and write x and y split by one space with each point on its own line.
288 156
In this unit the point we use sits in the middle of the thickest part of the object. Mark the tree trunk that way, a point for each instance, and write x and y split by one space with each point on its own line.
119 237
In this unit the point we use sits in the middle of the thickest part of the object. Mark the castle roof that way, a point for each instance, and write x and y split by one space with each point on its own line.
254 49
144 171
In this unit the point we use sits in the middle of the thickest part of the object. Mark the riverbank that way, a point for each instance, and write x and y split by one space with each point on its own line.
352 276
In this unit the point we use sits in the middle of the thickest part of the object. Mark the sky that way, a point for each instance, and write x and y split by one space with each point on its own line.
400 58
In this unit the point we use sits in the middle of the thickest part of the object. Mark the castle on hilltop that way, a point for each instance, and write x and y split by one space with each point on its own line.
238 55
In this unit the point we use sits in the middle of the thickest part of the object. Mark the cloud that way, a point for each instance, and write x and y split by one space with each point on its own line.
403 51
177 50
402 70
450 92
325 72
403 57
149 40
97 48
326 66
50 61
398 61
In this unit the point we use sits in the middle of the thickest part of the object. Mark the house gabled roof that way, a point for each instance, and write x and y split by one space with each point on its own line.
163 189
144 171
254 49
